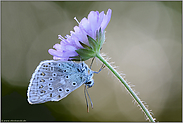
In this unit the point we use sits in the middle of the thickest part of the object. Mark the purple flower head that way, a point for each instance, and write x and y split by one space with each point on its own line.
86 39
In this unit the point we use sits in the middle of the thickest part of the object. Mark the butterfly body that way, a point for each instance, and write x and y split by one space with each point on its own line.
53 80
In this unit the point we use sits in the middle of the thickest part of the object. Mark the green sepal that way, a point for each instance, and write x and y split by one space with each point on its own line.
84 45
86 53
97 36
92 42
101 37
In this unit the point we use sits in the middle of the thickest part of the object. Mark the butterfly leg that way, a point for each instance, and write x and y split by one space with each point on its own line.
89 97
86 99
86 92
102 67
92 62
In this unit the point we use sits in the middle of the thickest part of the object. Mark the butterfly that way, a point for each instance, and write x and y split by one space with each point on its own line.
54 80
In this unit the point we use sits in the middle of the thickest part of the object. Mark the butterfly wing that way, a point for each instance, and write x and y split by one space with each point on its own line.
54 80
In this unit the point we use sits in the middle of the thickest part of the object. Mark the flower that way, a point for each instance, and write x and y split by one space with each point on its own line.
86 39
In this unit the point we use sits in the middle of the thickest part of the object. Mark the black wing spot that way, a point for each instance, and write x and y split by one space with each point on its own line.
66 77
41 86
78 70
42 74
67 90
54 74
60 90
74 83
42 91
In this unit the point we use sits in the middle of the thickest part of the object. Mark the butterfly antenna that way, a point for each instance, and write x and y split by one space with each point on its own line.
85 88
89 98
92 62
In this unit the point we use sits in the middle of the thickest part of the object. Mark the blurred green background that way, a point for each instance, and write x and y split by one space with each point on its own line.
142 38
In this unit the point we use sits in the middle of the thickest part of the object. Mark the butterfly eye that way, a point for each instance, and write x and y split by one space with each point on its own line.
88 82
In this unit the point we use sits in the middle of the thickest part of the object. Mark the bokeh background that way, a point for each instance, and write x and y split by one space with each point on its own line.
142 38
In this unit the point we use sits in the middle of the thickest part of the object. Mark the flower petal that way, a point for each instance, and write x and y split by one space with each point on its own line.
93 18
80 35
85 25
57 46
106 19
69 48
55 52
70 54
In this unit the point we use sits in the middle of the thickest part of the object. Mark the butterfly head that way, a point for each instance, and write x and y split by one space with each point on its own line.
89 75
89 83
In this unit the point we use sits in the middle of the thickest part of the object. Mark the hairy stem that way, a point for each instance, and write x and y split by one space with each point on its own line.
132 93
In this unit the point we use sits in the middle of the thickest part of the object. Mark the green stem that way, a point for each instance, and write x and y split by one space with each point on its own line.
137 99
